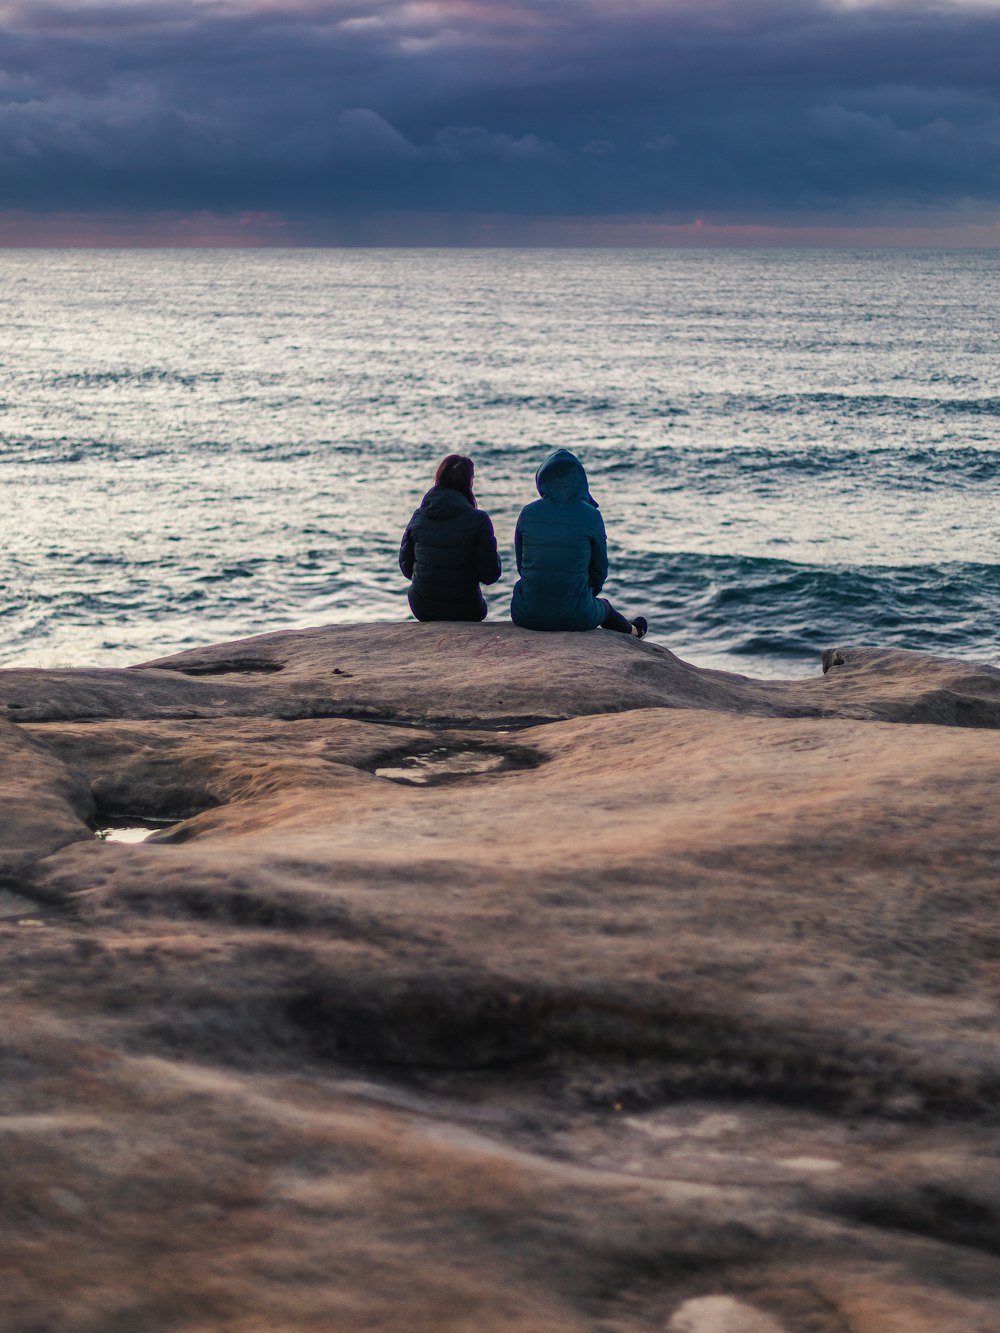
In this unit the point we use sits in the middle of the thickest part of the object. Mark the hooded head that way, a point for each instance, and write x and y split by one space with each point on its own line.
561 478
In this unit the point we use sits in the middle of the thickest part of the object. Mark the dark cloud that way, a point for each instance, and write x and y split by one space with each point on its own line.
747 109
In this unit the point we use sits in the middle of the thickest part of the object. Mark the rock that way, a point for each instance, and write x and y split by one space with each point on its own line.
554 1040
13 905
44 805
497 675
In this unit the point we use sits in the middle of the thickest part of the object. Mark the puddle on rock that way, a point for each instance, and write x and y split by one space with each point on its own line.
721 1314
442 764
131 829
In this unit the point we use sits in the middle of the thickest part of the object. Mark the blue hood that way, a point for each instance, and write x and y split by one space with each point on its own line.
561 478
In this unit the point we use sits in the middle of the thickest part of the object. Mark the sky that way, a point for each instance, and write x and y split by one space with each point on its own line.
470 122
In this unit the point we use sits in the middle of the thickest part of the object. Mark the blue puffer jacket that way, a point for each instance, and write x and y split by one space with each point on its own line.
561 550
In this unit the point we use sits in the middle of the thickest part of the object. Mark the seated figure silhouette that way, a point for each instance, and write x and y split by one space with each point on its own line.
562 555
448 548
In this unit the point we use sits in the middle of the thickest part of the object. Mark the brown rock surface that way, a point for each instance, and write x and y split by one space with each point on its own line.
668 1002
493 674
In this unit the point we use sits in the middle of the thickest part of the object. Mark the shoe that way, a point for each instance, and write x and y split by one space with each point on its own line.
639 627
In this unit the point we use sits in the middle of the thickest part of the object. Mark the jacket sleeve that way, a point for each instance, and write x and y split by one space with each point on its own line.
598 570
487 556
517 545
406 554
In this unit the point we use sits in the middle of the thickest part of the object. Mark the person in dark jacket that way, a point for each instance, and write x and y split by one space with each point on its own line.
562 555
448 548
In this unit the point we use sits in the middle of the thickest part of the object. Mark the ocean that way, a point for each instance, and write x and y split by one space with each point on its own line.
791 450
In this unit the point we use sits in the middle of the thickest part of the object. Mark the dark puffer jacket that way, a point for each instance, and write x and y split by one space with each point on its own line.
561 550
448 549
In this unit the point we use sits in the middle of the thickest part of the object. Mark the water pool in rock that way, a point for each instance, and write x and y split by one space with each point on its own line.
442 764
130 829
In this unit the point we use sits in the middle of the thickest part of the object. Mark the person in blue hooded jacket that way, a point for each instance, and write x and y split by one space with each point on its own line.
562 555
448 548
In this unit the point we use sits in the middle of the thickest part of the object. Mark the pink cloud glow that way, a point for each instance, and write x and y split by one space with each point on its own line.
23 230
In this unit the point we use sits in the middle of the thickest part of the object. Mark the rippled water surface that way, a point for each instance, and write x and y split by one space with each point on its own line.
790 449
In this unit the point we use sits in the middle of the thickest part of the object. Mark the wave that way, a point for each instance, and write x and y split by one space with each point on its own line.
726 406
745 611
18 450
559 403
858 405
898 467
776 609
123 375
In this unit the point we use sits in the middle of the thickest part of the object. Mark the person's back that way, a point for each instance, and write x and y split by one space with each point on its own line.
449 548
562 555
561 551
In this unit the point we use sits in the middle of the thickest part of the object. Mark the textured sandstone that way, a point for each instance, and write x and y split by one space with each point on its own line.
672 1003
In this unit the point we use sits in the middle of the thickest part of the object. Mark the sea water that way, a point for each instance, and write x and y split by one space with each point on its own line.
790 449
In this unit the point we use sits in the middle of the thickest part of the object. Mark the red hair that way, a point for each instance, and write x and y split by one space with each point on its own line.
455 473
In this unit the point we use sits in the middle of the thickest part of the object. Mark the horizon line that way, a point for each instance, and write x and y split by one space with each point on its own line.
205 229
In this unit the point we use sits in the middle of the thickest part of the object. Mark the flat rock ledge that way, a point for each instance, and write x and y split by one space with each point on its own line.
482 979
493 675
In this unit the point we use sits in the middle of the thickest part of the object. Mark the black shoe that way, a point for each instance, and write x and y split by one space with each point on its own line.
640 625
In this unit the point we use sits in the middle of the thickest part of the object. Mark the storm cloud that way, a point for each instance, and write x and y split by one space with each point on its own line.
737 110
